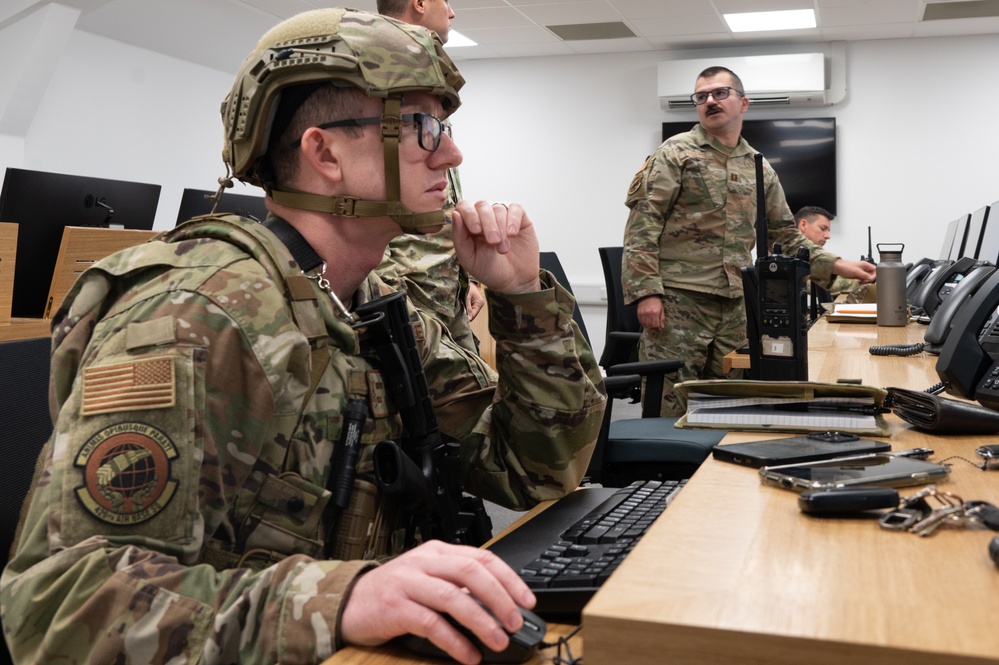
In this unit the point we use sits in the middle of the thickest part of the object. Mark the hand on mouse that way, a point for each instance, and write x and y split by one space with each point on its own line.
410 593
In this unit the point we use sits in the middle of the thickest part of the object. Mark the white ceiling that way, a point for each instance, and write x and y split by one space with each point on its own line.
218 33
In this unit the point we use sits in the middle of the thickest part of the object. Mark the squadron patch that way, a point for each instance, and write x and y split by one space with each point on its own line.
126 473
636 182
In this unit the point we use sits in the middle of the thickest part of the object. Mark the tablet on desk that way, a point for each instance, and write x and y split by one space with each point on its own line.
796 449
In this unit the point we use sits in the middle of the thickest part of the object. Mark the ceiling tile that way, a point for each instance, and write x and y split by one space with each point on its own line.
659 8
499 17
686 25
836 16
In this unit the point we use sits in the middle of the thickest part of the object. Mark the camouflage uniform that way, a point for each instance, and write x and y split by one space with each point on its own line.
175 518
428 269
691 229
846 285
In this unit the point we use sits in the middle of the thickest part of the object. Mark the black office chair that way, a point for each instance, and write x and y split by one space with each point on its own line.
623 329
25 426
643 448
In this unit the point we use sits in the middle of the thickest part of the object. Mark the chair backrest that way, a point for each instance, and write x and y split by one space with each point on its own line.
550 262
81 247
8 252
620 317
25 424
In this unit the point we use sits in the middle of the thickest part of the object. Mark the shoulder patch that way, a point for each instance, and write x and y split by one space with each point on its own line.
126 473
636 182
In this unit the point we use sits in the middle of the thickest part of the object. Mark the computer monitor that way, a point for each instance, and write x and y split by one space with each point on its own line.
195 202
43 203
976 228
948 241
960 235
988 249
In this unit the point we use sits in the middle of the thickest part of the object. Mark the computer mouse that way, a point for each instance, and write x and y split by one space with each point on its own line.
523 643
994 550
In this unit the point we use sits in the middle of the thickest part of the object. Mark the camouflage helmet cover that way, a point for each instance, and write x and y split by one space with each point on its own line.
377 54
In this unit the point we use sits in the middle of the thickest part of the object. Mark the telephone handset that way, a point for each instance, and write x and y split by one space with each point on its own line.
968 359
937 286
943 318
917 274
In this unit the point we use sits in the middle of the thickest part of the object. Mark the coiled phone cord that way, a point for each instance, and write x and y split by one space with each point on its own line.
897 349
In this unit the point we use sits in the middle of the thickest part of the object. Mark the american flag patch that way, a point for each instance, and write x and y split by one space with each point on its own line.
141 384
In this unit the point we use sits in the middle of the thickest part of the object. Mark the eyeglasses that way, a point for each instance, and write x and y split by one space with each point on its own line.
429 128
720 94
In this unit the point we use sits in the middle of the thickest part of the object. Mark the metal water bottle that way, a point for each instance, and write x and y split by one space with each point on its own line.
893 307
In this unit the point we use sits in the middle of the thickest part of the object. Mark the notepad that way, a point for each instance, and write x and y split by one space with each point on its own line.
853 312
779 412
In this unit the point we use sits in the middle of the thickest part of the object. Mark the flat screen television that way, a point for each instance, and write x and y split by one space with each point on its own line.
802 152
42 203
195 202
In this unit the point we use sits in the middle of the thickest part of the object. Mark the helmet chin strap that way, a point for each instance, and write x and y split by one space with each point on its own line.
349 206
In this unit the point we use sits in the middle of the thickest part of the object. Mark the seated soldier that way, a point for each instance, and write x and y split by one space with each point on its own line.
210 386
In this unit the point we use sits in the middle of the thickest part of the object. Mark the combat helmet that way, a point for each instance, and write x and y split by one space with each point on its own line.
381 56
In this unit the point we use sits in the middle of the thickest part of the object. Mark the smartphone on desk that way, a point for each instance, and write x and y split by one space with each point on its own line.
880 469
796 449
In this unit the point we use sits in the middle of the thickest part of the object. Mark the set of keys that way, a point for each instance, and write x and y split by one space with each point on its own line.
917 514
922 513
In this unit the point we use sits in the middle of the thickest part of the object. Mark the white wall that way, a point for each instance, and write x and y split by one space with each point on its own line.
917 145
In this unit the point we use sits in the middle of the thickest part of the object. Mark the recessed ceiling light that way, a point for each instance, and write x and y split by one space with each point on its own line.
456 40
794 19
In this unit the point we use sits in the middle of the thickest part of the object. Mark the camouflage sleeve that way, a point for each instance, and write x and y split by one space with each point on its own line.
651 196
782 228
535 440
107 567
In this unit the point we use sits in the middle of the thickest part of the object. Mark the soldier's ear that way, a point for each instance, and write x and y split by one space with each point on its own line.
322 154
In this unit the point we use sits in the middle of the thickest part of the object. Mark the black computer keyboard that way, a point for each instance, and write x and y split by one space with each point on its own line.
565 553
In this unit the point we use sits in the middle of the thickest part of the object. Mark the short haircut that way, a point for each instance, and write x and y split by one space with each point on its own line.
715 71
325 103
393 8
810 212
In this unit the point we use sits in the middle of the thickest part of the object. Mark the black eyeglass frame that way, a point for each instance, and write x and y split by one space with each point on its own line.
435 130
714 93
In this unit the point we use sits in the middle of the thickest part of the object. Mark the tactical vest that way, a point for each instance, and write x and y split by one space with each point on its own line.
285 514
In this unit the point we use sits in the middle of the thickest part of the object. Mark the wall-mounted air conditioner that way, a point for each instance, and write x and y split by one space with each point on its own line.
790 79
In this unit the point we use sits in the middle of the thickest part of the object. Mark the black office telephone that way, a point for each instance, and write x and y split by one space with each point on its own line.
943 318
917 273
940 282
969 359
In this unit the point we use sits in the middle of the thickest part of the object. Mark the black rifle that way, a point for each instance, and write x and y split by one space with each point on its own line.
424 471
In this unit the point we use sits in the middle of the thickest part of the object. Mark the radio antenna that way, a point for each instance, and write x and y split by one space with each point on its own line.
762 250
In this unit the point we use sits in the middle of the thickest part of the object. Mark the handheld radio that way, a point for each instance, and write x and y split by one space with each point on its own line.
778 342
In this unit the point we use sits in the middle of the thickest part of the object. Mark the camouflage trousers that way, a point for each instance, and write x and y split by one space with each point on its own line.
700 329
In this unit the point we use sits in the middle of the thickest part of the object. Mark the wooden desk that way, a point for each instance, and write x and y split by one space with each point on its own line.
733 572
18 328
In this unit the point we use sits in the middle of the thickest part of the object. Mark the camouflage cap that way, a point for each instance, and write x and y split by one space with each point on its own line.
377 54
